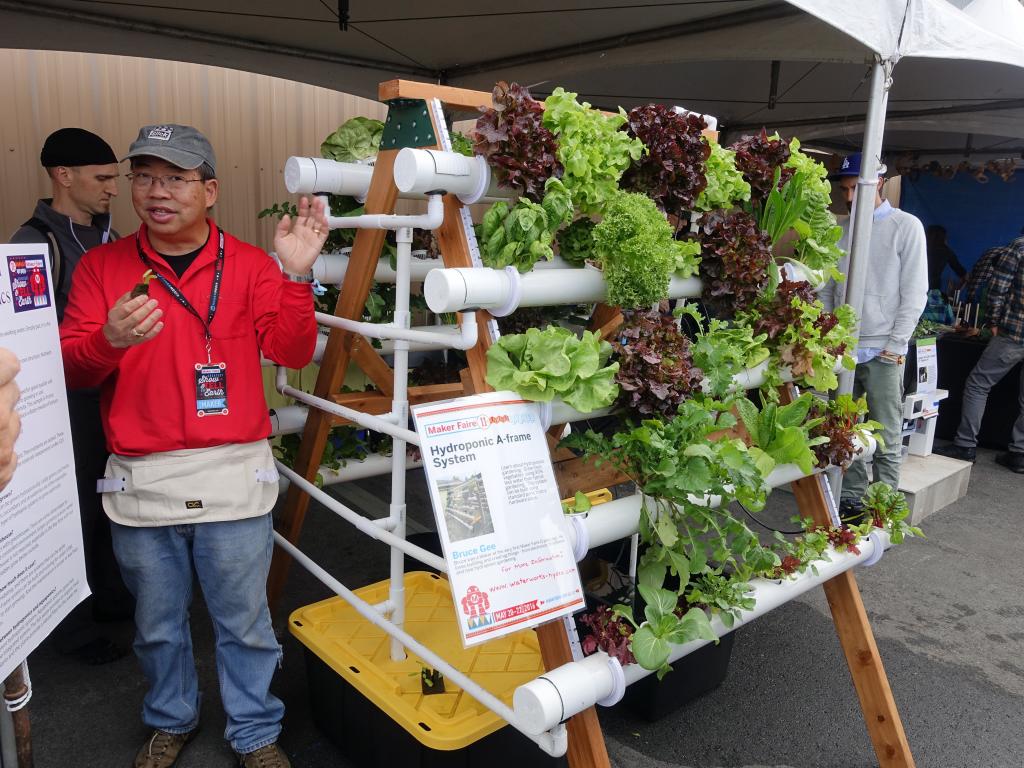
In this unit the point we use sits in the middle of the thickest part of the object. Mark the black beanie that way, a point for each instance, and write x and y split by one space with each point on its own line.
73 147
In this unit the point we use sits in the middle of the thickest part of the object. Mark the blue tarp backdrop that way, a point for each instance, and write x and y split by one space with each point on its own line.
976 216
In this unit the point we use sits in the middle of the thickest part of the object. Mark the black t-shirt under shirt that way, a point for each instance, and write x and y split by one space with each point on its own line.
180 263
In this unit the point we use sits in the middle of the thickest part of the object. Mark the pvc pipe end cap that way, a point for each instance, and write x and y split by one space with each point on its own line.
299 175
407 168
444 288
537 703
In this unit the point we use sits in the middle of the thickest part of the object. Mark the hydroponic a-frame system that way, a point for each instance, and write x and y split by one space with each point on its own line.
416 119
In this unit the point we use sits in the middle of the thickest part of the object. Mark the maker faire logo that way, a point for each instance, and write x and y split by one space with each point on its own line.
469 424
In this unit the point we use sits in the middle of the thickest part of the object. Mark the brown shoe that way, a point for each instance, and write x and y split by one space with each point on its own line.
269 756
161 750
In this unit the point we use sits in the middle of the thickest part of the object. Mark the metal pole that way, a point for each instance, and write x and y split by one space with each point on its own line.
864 200
15 689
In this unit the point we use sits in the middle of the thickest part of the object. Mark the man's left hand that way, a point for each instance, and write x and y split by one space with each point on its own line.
298 242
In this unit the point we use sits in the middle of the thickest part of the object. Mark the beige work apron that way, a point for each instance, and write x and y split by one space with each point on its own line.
197 485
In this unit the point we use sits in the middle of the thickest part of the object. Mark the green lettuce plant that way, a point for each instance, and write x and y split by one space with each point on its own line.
635 246
817 230
356 139
780 434
538 365
726 186
722 351
591 148
521 235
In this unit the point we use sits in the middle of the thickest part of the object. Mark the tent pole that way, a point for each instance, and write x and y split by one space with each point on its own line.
863 210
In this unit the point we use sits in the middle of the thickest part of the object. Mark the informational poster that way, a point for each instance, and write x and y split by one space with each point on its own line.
927 371
510 563
42 568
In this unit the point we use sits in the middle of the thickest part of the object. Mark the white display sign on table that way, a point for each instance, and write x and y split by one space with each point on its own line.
499 516
42 567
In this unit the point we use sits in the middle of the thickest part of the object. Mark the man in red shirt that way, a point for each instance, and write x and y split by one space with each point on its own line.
191 481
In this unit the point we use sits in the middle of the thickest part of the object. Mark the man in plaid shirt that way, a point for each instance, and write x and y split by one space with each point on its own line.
1006 349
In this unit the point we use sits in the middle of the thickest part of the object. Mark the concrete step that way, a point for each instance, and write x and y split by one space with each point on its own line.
932 482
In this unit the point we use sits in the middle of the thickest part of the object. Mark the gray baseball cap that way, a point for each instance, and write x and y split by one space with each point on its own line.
180 145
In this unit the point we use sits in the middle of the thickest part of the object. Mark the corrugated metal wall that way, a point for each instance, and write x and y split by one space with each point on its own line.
255 123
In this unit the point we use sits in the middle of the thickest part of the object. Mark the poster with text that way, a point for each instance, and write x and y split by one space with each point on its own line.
42 568
510 562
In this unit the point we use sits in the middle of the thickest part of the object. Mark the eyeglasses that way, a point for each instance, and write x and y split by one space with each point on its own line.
172 183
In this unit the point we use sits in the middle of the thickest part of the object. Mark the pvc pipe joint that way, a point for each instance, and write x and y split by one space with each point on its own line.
422 171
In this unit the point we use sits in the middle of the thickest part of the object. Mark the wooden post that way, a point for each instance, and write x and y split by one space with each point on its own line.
14 689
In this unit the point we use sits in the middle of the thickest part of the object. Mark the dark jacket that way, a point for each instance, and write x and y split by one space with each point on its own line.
71 249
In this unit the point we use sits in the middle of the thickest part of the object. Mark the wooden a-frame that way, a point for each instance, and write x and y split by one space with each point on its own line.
586 743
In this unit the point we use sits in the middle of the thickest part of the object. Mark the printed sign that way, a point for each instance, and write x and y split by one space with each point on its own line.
927 362
510 563
28 277
42 568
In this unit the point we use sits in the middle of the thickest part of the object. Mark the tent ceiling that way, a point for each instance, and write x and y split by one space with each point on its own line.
713 56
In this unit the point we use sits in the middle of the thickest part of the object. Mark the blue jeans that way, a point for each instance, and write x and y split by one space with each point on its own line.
231 560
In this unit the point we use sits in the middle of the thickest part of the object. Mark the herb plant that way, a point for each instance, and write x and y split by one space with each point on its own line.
819 235
722 351
721 595
735 258
671 172
656 373
591 148
541 364
511 135
635 247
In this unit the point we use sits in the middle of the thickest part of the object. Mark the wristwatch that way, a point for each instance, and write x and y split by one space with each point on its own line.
307 278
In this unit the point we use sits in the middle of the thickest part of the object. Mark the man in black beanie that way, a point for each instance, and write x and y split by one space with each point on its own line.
83 173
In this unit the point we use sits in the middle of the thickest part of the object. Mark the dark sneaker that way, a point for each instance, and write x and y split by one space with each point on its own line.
955 451
269 756
1012 460
851 512
161 750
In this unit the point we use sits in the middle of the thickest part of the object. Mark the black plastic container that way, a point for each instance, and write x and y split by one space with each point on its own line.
371 739
691 677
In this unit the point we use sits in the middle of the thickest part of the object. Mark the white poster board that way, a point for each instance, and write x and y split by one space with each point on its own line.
42 567
510 563
927 371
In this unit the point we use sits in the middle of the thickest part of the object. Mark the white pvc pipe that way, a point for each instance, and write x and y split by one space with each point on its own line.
554 742
385 424
318 175
431 339
363 524
374 465
503 291
287 420
330 268
423 171
430 220
563 692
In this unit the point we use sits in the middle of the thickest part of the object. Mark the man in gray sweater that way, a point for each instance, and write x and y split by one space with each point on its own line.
83 174
894 298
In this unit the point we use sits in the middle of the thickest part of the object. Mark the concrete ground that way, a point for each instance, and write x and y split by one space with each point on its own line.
948 614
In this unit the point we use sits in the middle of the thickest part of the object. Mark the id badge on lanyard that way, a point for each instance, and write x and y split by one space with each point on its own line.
210 377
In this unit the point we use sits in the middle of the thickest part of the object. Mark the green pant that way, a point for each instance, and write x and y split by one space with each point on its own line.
882 383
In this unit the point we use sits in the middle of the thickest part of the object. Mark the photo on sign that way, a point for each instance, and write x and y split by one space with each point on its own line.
466 512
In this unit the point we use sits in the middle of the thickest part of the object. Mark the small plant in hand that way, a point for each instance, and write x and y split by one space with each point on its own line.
656 373
142 287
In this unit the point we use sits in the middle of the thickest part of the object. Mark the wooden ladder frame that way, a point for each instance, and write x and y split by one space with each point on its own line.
586 743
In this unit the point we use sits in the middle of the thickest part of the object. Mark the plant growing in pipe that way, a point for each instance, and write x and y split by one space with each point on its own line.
637 252
672 171
576 242
511 135
521 236
722 351
726 187
818 234
781 434
841 421
592 150
887 508
356 139
735 259
802 335
758 157
539 365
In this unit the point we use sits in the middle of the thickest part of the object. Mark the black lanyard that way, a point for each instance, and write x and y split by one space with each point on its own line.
180 297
